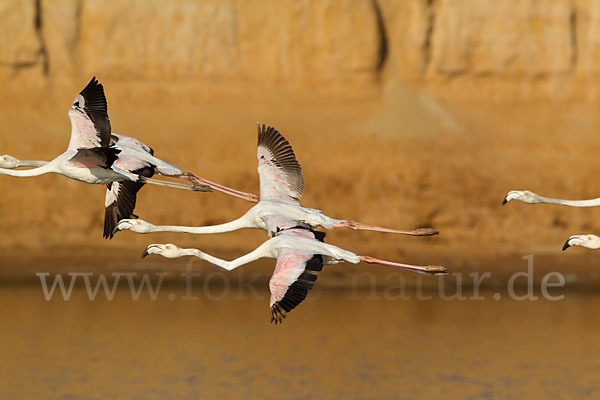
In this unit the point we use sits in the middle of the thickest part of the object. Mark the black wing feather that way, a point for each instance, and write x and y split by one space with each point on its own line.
102 157
298 290
283 155
96 108
123 207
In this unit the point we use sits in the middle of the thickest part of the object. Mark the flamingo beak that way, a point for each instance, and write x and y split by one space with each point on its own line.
566 245
146 252
504 201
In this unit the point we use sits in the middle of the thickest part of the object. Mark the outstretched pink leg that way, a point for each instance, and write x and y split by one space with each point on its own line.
357 225
429 269
215 186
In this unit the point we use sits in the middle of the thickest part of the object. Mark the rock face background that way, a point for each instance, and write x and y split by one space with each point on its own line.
302 42
403 113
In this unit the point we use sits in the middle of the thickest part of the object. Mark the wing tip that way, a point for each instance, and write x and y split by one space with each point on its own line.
111 218
93 84
283 153
278 314
266 132
295 294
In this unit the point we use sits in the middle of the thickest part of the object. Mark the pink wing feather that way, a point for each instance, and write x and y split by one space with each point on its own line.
294 275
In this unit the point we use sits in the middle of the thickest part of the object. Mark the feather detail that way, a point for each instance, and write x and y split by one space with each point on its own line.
280 172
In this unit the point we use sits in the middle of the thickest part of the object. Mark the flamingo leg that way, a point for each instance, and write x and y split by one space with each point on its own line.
360 226
429 269
224 189
195 187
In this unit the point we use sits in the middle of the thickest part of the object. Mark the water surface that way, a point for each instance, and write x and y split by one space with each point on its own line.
338 344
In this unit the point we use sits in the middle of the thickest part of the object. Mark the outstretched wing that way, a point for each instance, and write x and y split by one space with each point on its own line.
294 275
135 152
130 142
280 173
120 201
90 126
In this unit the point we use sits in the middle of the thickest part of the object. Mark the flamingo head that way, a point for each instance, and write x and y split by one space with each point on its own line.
589 241
135 225
7 161
523 195
166 250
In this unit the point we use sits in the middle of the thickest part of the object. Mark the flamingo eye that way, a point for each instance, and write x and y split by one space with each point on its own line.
76 104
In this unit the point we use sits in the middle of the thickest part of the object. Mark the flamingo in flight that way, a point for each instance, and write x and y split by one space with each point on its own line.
96 155
281 187
300 253
528 197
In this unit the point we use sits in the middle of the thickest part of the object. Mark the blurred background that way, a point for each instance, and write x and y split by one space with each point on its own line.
403 113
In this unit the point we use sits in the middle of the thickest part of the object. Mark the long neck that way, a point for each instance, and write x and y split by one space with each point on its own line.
240 223
32 163
260 252
45 169
571 203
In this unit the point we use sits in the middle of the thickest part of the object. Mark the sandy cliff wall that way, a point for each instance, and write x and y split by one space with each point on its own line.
552 45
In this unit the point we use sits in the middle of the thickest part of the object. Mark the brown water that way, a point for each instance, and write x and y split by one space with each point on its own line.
338 344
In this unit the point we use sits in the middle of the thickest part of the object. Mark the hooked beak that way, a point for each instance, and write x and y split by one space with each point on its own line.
145 253
504 201
114 232
566 245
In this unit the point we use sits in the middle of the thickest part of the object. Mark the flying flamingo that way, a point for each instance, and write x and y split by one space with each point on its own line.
528 197
96 155
531 198
281 187
300 252
120 196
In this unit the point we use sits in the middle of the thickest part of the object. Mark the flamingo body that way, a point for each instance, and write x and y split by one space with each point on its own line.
300 253
95 155
281 187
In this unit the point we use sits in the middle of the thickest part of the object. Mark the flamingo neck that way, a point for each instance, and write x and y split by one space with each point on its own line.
31 163
240 223
44 169
264 250
571 203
